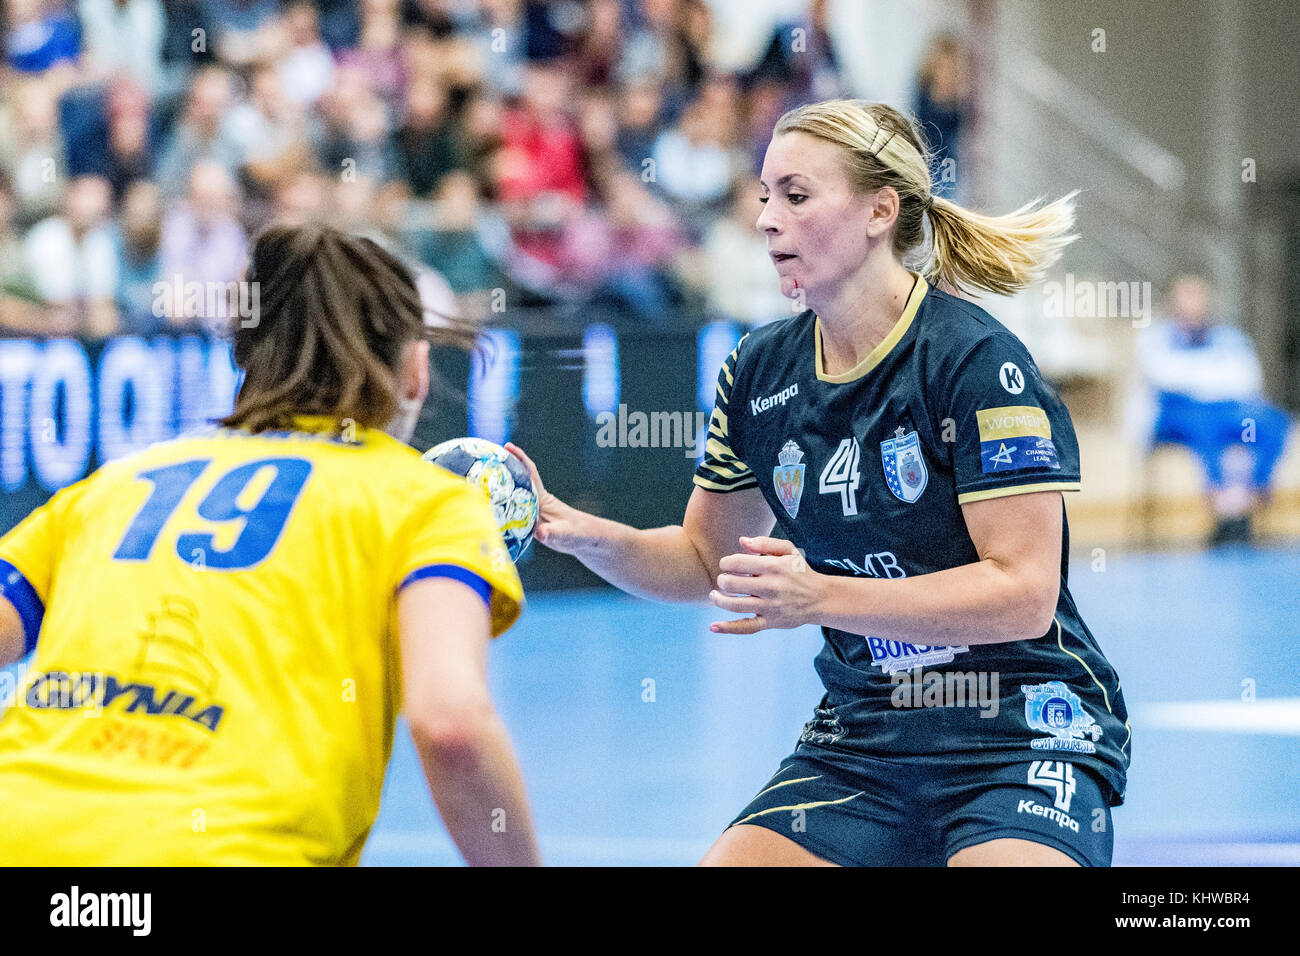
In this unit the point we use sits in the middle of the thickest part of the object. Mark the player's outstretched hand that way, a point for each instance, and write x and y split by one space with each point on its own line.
769 580
556 521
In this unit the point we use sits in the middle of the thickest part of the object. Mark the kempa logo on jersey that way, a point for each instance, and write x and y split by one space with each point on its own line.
759 405
96 692
1060 818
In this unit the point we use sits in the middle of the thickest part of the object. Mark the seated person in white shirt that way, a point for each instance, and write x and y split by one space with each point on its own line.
1207 387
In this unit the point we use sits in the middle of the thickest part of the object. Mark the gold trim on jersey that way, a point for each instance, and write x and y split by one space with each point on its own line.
728 473
1104 696
800 806
880 351
970 496
785 783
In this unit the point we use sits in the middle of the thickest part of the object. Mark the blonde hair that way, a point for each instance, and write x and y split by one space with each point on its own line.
968 250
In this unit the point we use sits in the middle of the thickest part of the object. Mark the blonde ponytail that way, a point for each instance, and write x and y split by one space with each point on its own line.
1001 254
968 250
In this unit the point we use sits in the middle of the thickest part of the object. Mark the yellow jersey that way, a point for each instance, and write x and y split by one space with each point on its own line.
217 674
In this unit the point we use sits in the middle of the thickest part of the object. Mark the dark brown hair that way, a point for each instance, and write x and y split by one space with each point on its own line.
335 313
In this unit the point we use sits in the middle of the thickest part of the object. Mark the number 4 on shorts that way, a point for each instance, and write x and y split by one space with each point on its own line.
1056 775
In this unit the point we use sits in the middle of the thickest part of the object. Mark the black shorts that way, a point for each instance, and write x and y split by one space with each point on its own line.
859 810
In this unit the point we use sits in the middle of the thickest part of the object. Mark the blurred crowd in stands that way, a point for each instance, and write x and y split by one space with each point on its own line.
566 153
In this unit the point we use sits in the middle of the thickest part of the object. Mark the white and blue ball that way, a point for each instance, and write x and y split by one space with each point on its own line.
502 478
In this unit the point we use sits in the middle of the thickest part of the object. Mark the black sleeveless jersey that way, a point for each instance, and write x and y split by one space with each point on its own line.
866 473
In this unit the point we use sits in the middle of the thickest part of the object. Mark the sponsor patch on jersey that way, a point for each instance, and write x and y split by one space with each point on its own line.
1055 709
787 477
894 656
1013 437
905 471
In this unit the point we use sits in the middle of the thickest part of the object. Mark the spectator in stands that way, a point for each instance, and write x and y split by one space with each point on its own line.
1208 392
696 161
599 49
340 23
765 100
426 142
307 67
269 131
302 198
481 124
549 30
32 150
244 31
19 302
437 18
801 60
942 104
185 48
41 35
622 257
108 132
539 169
598 130
353 137
733 267
640 123
203 133
130 137
71 261
202 241
667 46
500 39
123 36
379 54
465 240
137 245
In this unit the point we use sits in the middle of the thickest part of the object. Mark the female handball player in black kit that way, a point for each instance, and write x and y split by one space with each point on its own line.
915 459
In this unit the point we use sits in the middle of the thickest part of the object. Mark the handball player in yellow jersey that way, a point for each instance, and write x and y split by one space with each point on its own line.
227 624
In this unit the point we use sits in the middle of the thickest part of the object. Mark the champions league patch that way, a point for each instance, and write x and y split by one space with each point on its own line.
1055 709
787 477
1014 437
894 656
905 471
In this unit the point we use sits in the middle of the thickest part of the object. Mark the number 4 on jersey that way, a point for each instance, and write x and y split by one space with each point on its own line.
841 475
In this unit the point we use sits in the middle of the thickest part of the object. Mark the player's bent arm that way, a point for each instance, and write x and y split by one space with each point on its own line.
676 563
1010 594
463 745
12 636
679 562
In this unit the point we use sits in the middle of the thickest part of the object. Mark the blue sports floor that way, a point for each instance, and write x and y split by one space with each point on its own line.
617 778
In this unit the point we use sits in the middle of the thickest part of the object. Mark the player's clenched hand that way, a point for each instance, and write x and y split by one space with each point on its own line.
556 521
771 581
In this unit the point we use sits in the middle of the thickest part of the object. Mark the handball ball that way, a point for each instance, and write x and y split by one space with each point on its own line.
500 476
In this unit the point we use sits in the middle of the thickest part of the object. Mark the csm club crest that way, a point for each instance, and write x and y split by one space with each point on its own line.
904 465
787 477
1055 709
